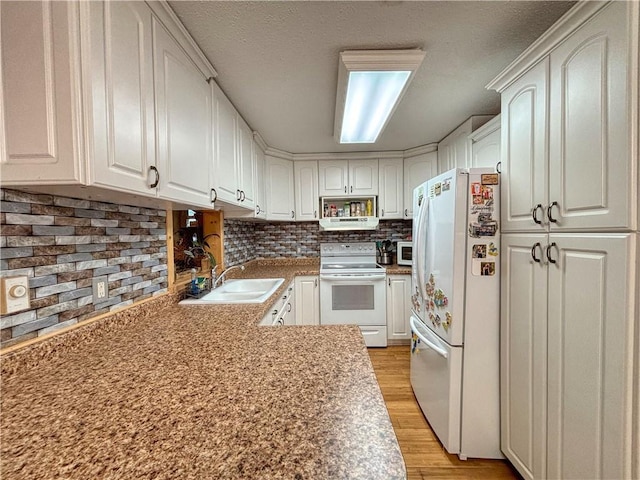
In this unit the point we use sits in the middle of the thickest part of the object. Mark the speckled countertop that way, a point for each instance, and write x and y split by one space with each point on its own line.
168 391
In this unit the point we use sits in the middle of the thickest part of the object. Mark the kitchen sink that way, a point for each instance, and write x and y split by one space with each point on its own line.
245 290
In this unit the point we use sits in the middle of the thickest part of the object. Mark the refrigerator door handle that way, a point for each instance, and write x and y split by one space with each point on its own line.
421 247
443 353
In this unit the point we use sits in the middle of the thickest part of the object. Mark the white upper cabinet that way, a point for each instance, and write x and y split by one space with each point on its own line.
260 182
485 145
591 161
225 171
390 200
524 155
121 61
233 164
306 190
183 110
454 151
417 170
279 189
348 177
587 180
40 94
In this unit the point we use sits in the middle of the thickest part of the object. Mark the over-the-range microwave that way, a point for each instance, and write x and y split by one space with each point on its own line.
405 253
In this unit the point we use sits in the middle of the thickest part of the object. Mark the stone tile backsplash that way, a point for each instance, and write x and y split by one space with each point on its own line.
244 241
62 243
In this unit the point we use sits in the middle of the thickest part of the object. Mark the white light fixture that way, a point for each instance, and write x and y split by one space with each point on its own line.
370 86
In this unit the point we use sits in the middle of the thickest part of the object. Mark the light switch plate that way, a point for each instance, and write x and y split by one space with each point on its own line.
15 294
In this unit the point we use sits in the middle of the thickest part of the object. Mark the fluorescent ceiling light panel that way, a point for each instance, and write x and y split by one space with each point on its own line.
370 86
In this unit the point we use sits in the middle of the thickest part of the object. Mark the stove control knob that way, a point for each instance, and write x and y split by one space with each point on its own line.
360 247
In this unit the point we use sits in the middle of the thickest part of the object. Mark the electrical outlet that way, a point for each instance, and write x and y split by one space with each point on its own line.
100 290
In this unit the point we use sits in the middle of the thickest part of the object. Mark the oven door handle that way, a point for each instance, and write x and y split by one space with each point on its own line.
353 277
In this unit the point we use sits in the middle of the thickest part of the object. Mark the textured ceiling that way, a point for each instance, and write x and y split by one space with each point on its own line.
278 61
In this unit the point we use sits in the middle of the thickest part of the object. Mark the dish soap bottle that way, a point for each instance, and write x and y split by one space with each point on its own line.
369 208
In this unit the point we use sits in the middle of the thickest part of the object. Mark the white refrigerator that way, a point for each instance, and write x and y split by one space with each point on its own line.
456 309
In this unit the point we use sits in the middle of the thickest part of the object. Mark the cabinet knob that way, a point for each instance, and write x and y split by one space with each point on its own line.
550 213
533 252
534 213
549 247
155 170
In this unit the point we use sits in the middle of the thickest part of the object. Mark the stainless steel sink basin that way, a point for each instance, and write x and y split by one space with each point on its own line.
245 290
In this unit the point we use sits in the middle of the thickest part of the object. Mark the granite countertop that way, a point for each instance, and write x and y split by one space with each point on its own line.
180 391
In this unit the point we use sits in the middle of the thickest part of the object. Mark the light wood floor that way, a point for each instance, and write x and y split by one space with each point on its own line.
424 456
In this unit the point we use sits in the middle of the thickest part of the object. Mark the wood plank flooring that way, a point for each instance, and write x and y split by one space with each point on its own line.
424 456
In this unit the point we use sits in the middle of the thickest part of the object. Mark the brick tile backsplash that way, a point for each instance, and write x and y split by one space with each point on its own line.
244 241
62 243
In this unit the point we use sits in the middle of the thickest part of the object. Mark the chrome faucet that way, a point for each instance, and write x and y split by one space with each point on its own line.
221 277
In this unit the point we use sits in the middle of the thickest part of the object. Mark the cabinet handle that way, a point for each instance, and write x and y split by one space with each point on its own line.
345 189
406 212
257 209
237 195
533 252
284 297
351 189
534 213
499 167
382 213
549 215
243 196
389 281
214 195
289 307
155 170
274 313
293 214
549 247
315 214
315 282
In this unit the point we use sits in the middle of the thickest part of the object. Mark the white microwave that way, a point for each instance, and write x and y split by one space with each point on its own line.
405 253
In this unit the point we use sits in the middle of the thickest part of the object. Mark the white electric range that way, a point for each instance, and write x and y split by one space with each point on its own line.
352 289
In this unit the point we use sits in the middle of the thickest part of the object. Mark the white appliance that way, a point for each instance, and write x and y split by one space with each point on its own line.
405 253
352 289
455 309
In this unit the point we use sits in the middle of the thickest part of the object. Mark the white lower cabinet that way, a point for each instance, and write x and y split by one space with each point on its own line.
283 311
398 307
307 300
567 354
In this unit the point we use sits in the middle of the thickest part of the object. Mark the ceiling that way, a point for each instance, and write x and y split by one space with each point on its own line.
278 61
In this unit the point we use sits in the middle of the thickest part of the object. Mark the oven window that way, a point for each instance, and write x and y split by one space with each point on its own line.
352 297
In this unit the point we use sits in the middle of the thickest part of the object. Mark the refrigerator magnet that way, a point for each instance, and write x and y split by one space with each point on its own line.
492 249
489 178
487 269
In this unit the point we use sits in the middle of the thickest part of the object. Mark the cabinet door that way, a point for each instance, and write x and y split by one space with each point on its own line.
591 164
417 170
523 353
306 190
363 177
261 204
307 297
524 157
486 151
390 189
245 165
461 147
590 355
398 307
121 61
445 156
183 101
279 188
333 177
225 168
40 117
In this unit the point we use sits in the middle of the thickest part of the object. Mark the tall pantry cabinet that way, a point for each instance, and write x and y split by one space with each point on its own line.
569 334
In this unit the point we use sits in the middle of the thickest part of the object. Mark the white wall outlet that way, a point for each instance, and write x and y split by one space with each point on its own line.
15 294
100 289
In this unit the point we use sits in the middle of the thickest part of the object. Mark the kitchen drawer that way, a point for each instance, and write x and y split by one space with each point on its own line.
374 336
